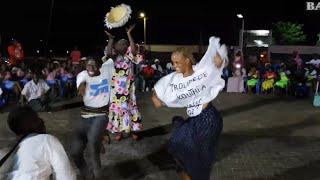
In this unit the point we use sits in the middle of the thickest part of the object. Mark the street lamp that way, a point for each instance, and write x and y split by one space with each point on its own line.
49 29
142 15
242 31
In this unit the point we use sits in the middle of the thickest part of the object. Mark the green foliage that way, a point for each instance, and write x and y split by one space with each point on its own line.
287 33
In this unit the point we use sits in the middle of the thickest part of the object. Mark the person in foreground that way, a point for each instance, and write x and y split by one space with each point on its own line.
38 155
194 86
93 85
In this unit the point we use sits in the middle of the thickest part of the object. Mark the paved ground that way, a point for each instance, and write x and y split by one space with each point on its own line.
264 137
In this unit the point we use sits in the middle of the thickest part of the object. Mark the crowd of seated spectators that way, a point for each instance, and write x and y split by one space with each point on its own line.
44 81
293 77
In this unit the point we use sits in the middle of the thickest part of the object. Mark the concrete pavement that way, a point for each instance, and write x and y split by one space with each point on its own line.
264 137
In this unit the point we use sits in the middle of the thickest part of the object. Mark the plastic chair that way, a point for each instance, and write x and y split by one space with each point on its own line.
8 84
51 82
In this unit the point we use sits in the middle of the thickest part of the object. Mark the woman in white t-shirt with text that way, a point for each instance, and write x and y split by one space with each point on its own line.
194 86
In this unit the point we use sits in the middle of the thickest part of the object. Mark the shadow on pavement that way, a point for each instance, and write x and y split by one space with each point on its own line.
67 106
156 131
230 142
134 169
129 169
250 106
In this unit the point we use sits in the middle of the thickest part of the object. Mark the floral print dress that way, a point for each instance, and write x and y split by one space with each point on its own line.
124 115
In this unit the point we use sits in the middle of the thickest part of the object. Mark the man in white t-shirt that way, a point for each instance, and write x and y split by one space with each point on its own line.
94 87
158 71
36 92
156 66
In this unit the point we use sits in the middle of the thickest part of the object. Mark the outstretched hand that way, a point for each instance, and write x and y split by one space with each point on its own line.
109 34
130 28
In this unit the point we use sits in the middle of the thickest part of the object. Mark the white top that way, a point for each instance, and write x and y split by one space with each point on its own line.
159 67
169 66
98 87
142 66
315 62
37 157
201 87
35 91
0 91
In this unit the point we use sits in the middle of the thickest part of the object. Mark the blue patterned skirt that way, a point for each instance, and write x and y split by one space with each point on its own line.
193 143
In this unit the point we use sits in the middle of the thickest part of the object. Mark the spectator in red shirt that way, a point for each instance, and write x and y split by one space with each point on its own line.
148 73
15 52
75 55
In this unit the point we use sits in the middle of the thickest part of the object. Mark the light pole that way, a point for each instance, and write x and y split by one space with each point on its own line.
142 15
49 30
242 31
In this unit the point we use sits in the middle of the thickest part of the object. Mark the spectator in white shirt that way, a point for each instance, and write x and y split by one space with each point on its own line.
36 92
314 62
169 68
38 156
156 66
158 71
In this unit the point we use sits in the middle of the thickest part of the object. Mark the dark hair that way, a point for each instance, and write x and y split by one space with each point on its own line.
96 59
56 65
21 118
238 53
37 73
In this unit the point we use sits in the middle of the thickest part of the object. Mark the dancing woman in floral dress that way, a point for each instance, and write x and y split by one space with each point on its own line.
124 116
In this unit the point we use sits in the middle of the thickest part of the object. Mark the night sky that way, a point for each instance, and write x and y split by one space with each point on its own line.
169 22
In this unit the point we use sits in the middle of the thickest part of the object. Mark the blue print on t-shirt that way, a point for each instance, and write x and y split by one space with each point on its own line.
99 88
